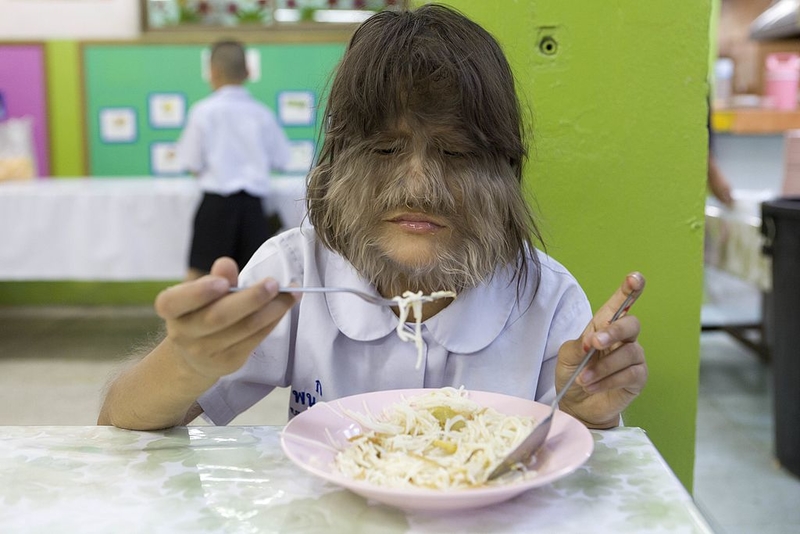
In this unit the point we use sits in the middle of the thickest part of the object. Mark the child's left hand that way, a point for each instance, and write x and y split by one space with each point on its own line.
617 372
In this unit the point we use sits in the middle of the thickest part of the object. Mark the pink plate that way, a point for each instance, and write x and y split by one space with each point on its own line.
307 444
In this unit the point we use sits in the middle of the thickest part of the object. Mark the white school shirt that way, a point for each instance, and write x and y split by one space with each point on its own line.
334 345
231 142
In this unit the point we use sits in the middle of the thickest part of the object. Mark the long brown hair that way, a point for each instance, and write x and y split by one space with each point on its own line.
434 66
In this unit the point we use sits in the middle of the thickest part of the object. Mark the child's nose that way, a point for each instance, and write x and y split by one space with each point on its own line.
423 177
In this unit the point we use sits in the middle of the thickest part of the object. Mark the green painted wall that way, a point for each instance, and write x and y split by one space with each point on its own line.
713 31
67 146
80 293
618 169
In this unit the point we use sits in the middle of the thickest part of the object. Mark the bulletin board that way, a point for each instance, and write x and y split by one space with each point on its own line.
137 97
22 94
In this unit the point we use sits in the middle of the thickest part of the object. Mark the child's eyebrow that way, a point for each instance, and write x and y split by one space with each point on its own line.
458 138
452 138
385 141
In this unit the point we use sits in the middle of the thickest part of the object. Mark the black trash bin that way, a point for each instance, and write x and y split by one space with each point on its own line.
780 225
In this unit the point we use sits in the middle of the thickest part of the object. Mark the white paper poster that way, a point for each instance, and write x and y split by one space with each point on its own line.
296 108
253 58
118 125
166 110
302 157
164 159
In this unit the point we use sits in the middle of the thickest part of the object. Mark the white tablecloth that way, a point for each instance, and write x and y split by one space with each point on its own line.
110 228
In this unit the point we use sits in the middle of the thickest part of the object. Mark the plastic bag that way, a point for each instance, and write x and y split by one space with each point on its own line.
17 161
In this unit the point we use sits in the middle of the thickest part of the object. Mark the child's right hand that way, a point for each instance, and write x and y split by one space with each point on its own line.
214 331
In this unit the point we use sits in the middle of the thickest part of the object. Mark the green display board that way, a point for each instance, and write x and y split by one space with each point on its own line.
122 81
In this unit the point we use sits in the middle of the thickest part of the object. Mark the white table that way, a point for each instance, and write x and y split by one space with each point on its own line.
734 240
110 229
733 243
237 479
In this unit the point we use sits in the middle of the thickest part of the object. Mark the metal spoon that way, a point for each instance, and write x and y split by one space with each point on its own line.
372 299
534 441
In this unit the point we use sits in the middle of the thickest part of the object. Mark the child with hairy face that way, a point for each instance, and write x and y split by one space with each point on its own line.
418 187
418 184
411 216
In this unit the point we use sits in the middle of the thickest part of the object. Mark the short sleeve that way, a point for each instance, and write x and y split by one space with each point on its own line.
190 145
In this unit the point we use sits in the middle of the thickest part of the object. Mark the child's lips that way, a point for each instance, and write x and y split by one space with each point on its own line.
417 223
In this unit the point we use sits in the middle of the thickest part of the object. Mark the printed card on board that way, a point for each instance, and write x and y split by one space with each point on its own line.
166 110
164 159
118 125
253 58
296 108
302 157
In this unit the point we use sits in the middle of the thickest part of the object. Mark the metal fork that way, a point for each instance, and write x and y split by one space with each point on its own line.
534 441
372 299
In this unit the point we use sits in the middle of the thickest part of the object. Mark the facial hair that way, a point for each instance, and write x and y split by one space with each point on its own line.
479 199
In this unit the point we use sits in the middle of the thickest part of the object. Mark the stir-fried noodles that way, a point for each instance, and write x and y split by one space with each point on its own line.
411 301
440 440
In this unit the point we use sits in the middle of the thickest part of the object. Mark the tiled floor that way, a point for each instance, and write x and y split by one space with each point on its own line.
54 362
739 485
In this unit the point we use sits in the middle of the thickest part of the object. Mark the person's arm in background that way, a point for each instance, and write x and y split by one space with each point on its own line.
279 148
190 146
718 184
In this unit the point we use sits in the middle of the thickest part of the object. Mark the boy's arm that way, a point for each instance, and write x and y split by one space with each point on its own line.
210 333
279 148
189 146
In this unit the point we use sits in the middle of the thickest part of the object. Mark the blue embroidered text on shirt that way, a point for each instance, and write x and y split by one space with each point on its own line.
303 398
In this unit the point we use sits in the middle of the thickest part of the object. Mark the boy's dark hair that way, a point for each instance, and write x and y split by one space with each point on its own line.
436 66
228 58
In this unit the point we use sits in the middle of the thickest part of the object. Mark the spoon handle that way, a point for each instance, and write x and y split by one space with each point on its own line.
629 300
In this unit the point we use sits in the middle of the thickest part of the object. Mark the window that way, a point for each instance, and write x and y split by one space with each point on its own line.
197 14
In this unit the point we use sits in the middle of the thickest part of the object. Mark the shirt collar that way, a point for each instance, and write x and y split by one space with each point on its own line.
470 323
232 90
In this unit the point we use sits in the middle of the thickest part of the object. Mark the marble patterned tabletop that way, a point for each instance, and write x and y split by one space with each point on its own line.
237 479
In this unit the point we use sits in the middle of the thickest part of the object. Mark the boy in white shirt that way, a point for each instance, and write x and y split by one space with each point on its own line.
417 188
231 143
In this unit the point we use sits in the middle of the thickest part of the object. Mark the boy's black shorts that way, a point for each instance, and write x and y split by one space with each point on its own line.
233 225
